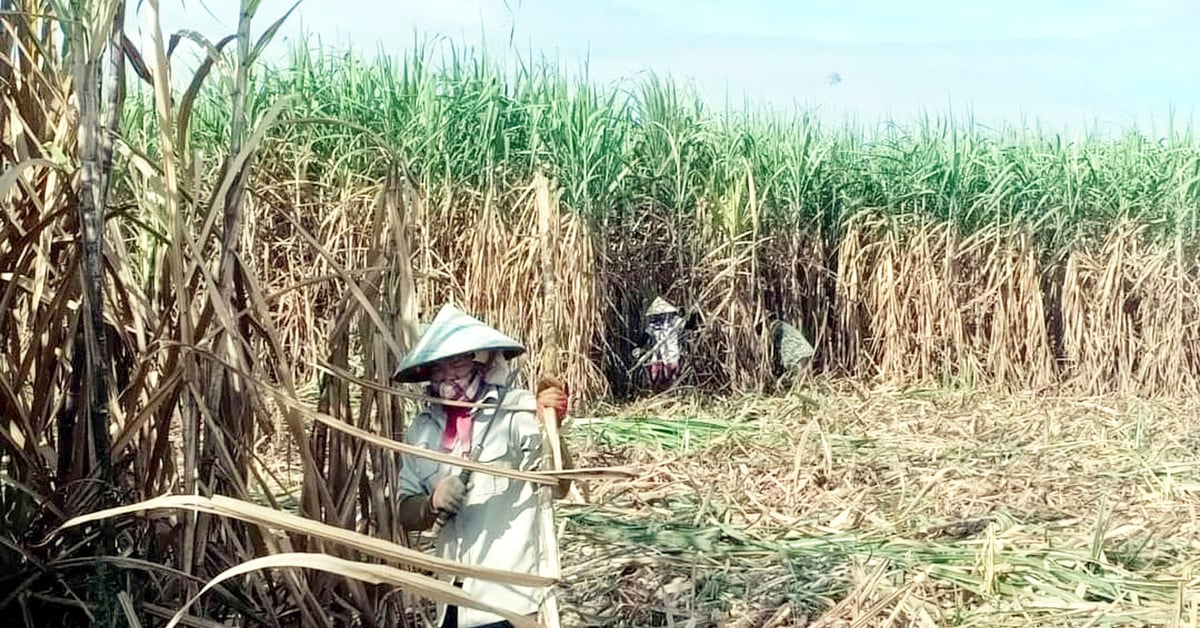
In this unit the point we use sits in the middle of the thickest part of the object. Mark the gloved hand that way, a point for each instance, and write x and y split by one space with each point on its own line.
448 494
552 393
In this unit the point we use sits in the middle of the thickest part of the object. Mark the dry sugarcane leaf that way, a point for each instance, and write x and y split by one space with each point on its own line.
261 515
425 586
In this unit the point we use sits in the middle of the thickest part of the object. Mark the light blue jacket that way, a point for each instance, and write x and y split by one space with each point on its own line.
498 525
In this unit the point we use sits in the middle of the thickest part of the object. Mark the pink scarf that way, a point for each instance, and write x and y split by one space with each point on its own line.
459 424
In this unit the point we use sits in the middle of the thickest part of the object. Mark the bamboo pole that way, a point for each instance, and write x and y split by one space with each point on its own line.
552 455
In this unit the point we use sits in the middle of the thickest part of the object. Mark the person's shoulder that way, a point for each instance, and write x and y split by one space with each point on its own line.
520 400
422 430
521 405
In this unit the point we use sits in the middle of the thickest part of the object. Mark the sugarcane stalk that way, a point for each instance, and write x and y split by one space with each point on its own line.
552 456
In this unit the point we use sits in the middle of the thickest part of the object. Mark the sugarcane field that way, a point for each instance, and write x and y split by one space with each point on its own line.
505 328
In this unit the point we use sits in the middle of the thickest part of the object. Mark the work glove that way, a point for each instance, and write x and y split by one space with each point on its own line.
552 393
448 494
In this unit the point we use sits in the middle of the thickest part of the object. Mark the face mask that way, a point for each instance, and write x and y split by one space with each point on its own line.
464 389
461 382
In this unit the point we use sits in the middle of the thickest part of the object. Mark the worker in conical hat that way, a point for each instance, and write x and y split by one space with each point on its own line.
664 326
490 521
660 306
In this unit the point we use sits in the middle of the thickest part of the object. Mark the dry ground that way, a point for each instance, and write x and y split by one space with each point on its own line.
841 506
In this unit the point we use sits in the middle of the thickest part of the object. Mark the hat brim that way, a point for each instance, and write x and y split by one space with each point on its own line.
421 372
452 333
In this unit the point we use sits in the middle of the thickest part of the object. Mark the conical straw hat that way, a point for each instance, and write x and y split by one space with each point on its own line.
452 333
660 306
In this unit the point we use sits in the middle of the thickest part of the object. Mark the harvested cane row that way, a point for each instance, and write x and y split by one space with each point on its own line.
889 507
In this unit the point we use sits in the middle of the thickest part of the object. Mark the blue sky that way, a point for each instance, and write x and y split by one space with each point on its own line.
1063 62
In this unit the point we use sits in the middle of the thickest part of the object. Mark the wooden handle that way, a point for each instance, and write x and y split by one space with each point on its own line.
440 523
550 420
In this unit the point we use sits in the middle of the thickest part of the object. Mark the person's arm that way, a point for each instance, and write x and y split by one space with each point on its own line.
419 512
552 394
416 512
420 496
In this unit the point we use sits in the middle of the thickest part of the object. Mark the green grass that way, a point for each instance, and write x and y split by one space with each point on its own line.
677 434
